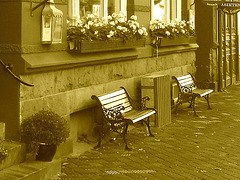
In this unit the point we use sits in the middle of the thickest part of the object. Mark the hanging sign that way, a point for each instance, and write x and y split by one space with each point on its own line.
230 7
212 2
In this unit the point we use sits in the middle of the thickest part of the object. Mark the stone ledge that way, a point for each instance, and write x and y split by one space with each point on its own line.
38 62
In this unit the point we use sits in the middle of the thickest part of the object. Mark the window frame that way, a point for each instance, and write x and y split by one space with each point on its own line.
173 10
74 5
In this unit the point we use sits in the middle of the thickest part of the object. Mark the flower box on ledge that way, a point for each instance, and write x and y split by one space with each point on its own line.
178 41
85 46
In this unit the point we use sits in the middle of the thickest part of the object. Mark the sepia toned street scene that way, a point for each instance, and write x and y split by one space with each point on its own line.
119 89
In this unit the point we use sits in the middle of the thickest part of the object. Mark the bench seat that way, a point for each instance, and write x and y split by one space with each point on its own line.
119 111
202 92
138 115
188 91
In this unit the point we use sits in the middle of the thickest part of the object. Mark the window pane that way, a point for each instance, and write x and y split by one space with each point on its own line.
159 9
114 6
90 7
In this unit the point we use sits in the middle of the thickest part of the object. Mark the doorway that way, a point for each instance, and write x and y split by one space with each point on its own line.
228 47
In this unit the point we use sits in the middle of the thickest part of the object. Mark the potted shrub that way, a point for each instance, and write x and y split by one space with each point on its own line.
3 152
43 132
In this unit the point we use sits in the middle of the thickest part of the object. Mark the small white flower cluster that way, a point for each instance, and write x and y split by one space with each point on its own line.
3 152
171 30
112 27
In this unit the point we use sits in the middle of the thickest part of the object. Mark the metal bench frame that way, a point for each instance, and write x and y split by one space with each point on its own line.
188 92
119 111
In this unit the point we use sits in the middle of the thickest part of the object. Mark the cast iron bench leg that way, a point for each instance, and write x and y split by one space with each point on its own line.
207 99
147 122
193 105
124 137
99 141
177 104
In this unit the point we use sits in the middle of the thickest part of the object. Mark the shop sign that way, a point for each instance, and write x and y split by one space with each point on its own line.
231 7
213 2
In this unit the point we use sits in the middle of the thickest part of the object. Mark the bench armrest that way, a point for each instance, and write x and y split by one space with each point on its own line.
139 104
143 102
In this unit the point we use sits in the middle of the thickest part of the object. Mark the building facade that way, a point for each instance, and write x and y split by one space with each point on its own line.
218 52
64 81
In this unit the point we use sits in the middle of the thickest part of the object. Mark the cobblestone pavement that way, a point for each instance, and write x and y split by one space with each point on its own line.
204 147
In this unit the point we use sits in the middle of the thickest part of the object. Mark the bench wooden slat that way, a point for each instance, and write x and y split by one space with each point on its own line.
183 77
187 84
127 109
115 93
202 92
186 81
114 99
136 115
125 103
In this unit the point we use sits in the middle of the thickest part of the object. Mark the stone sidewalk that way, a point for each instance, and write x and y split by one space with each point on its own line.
204 147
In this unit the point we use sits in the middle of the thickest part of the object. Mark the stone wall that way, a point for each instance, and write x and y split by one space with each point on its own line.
68 91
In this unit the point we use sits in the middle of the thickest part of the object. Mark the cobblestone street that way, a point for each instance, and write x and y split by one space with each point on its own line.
204 147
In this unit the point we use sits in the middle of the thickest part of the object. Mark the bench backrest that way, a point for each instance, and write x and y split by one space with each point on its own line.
185 83
115 100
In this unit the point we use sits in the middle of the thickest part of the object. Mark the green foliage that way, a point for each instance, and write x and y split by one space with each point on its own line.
113 27
44 127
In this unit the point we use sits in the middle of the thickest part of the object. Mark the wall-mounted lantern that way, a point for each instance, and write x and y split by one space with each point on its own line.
52 22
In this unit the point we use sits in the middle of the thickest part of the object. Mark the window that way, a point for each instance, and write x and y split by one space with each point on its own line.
166 10
101 8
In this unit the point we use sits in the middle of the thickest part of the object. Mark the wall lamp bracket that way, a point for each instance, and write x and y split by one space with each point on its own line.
37 6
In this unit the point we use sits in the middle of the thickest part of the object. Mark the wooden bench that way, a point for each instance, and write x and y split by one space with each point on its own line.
119 111
188 92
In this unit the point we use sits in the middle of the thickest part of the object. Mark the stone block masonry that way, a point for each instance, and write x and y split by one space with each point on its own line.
68 91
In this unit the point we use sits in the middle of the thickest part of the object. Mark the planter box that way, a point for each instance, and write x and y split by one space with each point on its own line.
84 46
177 41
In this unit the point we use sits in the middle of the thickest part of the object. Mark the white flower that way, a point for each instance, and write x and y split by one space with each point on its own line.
133 27
121 14
121 20
167 33
111 33
96 24
125 29
114 15
140 31
90 23
119 27
79 22
86 26
109 17
90 16
133 17
112 23
144 29
95 32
